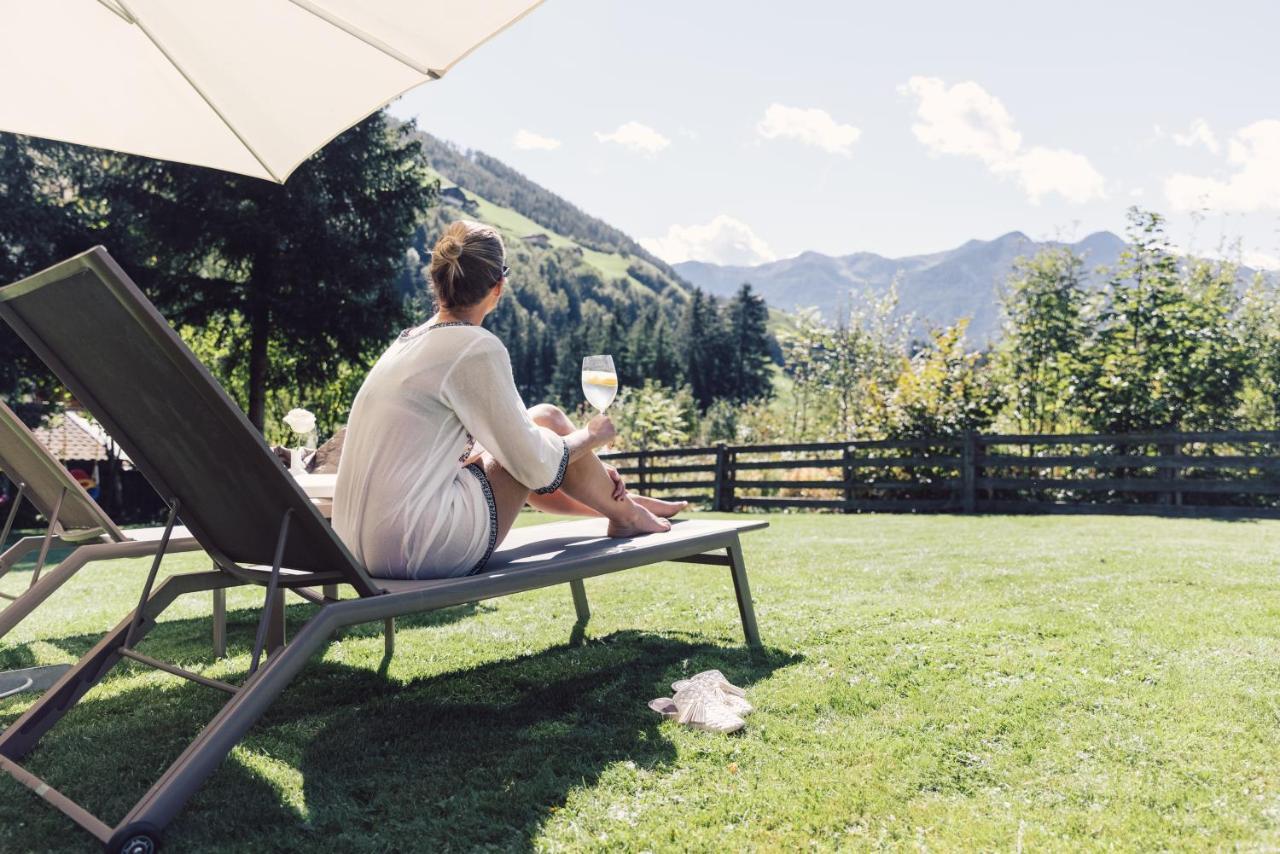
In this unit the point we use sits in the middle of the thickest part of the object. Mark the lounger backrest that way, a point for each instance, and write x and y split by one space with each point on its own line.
107 343
24 460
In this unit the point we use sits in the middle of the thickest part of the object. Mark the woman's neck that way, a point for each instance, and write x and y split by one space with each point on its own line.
472 314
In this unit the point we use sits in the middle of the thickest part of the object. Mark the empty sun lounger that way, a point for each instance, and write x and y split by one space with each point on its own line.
74 519
119 357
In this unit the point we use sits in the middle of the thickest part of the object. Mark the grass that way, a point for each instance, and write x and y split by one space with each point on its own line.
928 682
516 225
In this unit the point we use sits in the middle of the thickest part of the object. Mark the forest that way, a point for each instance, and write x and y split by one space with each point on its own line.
291 292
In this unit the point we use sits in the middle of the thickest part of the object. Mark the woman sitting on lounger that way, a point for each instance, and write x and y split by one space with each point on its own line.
416 497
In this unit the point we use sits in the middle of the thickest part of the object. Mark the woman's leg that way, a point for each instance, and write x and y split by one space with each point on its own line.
587 483
509 495
559 502
554 419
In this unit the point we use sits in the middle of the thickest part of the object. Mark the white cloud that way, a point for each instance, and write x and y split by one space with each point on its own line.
527 140
1042 170
810 126
637 137
962 119
723 240
968 121
1254 151
1198 134
1234 255
1261 261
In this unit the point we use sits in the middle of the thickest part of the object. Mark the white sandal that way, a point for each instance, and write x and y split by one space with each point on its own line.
731 695
699 706
715 677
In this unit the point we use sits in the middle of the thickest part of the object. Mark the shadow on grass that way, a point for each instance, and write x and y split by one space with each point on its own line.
477 758
192 639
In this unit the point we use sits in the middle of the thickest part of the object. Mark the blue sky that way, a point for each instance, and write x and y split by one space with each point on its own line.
740 131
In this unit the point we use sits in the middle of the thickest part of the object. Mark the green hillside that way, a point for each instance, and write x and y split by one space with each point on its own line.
515 227
576 283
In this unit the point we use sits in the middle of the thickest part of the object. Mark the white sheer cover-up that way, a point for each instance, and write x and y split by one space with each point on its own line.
404 504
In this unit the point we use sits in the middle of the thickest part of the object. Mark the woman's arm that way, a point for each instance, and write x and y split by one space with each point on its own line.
598 433
481 390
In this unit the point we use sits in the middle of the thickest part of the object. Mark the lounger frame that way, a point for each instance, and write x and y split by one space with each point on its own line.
74 520
293 549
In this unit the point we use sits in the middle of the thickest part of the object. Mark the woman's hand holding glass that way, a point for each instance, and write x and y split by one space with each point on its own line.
601 430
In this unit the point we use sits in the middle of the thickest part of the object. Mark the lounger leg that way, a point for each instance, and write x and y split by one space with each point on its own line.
220 623
48 537
579 633
389 637
9 520
275 629
743 591
580 605
270 636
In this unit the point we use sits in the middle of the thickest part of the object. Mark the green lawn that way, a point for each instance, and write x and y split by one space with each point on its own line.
929 682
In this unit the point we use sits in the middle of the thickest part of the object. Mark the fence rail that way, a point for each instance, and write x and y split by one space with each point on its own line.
1222 474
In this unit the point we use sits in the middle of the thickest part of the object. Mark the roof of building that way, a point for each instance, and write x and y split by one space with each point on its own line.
71 436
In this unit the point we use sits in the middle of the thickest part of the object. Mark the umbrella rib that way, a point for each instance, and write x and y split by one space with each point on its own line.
491 35
199 91
116 10
371 40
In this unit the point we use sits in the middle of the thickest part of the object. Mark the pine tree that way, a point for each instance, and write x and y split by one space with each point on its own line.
747 320
705 349
307 270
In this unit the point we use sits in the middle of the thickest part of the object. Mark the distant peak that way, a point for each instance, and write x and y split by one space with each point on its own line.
1103 237
1012 237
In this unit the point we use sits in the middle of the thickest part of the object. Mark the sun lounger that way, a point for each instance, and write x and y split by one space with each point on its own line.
74 520
124 363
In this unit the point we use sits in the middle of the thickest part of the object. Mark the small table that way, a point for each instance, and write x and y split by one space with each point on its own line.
319 488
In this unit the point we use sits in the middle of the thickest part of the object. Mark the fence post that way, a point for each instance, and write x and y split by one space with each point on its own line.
848 479
969 473
1169 474
1176 450
724 481
642 478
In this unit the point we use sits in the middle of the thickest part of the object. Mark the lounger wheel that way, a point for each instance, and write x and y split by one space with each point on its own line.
137 838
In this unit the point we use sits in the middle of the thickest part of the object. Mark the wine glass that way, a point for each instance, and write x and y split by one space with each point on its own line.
599 381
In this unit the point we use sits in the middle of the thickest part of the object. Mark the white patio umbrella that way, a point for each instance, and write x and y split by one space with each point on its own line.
248 86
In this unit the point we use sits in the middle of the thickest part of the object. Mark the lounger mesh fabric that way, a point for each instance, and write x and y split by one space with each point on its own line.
24 460
175 422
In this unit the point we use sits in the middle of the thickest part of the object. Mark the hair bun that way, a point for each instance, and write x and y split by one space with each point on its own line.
449 247
466 263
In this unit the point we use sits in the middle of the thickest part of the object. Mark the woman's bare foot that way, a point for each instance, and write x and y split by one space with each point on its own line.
658 507
641 521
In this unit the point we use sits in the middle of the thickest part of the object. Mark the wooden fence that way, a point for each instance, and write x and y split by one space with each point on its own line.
1225 474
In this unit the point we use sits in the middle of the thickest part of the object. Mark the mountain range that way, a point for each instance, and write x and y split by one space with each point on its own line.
564 260
938 288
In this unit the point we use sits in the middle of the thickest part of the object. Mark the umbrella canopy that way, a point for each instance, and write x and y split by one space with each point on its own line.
248 86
